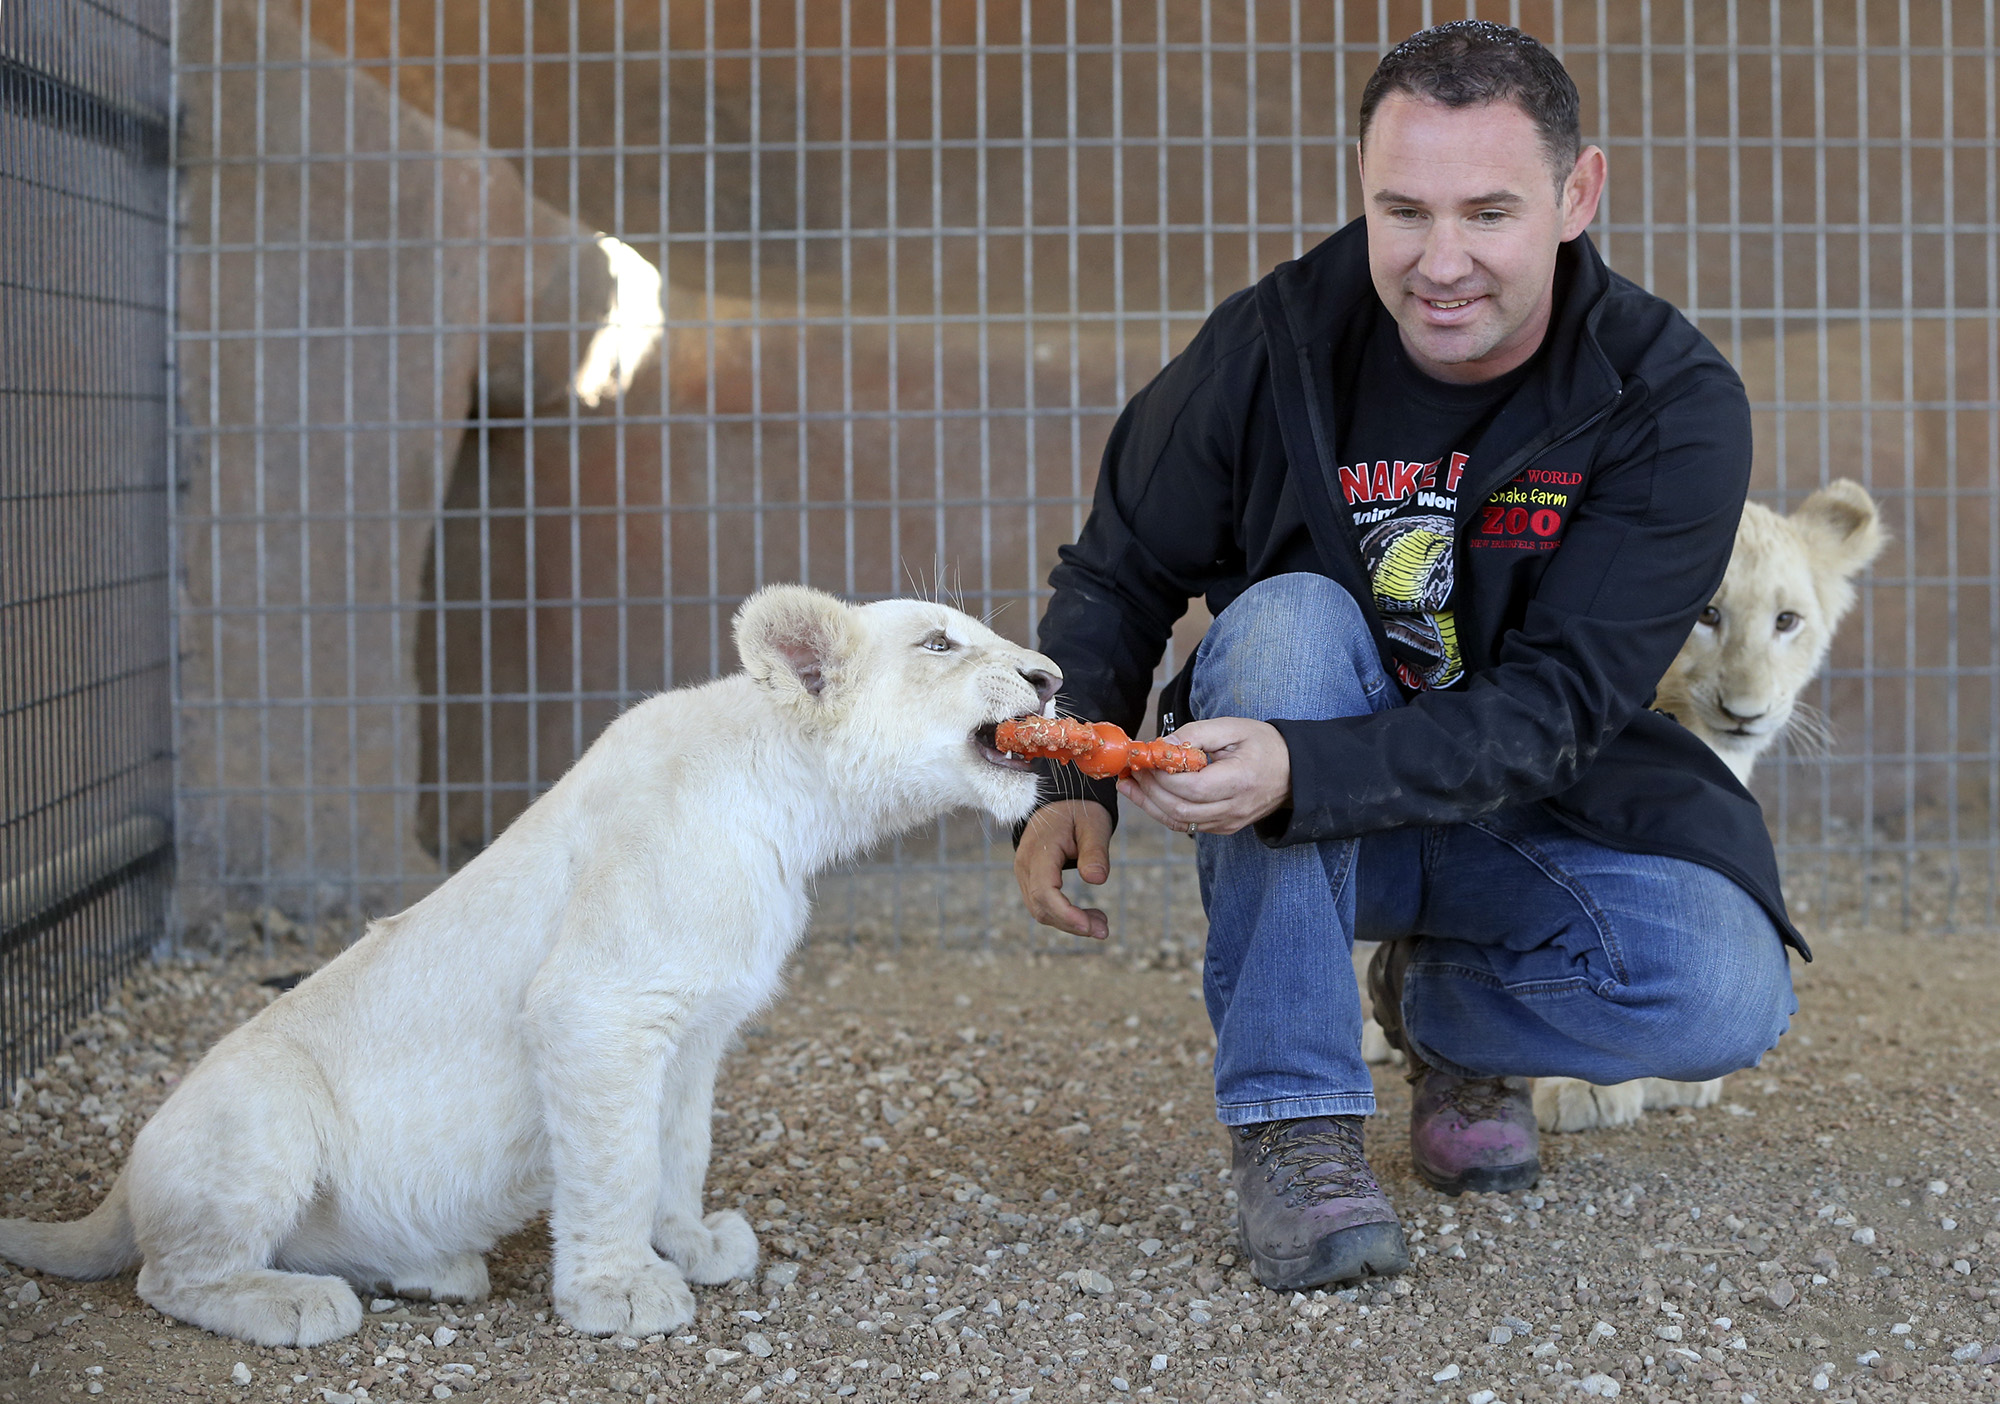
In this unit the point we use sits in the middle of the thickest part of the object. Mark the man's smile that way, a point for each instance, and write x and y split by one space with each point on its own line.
1448 311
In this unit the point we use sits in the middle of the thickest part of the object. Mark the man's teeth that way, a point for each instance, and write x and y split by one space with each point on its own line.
1448 306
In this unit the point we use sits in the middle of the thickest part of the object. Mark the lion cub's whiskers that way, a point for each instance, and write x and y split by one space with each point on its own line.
1809 732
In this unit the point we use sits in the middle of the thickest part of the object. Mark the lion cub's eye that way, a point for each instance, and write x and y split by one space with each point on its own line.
1787 621
1711 616
938 641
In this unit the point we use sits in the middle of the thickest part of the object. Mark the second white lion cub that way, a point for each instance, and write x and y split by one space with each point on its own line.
542 1032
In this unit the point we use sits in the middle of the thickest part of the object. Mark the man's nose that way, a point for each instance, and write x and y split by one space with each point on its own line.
1445 260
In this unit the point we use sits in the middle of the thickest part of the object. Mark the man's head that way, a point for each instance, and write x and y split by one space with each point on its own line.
1472 177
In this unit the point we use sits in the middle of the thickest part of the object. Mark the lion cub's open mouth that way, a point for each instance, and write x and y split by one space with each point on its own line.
983 738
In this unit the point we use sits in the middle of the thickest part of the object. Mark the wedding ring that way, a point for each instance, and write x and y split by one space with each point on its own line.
1190 830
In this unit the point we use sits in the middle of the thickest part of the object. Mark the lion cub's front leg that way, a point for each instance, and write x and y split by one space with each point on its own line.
720 1246
599 1067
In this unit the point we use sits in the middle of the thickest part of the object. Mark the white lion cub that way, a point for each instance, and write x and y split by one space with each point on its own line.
542 1032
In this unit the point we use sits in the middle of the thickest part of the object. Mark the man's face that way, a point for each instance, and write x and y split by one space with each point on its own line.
1464 219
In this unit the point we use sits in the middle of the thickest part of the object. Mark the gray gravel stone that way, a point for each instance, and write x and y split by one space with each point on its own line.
779 1276
886 1244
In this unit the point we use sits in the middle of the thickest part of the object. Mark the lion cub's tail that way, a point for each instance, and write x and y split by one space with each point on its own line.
99 1245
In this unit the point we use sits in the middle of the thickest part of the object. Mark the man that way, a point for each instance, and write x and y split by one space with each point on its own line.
1455 494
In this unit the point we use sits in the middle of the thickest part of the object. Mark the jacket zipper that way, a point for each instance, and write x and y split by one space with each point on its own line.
1524 464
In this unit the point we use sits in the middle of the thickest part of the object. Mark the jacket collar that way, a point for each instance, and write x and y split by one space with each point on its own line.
1317 313
1328 304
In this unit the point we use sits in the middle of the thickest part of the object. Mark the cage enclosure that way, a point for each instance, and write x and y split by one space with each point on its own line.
514 344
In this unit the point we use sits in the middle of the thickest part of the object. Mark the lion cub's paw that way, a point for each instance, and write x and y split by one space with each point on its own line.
719 1248
306 1311
459 1279
1664 1092
1570 1104
263 1306
648 1298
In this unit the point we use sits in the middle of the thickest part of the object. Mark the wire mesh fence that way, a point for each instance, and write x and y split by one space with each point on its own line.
518 342
85 705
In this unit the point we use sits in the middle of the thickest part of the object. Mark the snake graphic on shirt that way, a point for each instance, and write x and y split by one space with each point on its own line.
1410 561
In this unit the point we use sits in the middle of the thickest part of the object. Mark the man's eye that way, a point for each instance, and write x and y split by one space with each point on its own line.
1711 616
1490 216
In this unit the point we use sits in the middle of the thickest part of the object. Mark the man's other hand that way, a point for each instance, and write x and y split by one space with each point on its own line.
1249 775
1057 835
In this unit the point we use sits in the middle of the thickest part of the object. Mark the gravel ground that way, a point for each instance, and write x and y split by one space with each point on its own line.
996 1177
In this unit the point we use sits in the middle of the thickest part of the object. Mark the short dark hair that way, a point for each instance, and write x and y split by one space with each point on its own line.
1472 61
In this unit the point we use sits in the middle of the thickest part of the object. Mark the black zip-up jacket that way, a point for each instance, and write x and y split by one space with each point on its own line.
1632 430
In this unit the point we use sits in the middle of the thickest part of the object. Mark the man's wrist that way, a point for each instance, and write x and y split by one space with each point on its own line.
1060 783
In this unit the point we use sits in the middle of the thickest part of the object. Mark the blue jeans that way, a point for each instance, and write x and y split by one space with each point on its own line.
1542 953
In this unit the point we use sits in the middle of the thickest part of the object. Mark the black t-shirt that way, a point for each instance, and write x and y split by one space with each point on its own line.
1411 437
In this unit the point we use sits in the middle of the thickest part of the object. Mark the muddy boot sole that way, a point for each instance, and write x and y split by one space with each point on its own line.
1482 1179
1365 1250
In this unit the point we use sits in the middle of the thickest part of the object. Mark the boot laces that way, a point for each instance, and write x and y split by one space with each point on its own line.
1320 1157
1480 1098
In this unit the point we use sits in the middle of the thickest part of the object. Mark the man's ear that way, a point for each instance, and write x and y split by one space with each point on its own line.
1582 189
797 641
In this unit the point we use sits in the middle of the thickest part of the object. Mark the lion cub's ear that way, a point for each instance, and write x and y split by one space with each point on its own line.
1842 533
796 640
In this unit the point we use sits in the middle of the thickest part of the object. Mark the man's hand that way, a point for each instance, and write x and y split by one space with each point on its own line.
1249 775
1068 831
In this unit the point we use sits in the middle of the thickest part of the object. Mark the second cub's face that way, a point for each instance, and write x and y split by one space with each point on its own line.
937 682
1760 640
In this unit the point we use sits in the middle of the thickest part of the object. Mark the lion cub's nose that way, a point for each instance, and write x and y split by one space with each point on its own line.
1044 682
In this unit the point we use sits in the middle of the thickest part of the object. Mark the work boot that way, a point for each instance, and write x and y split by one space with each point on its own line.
1466 1133
1308 1209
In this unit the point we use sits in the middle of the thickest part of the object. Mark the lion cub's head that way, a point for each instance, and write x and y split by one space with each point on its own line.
1737 679
910 690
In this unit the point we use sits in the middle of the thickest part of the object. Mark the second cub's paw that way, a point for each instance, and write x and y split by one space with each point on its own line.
1664 1092
641 1301
719 1248
1570 1104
